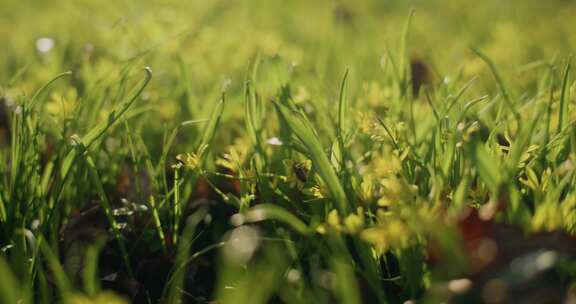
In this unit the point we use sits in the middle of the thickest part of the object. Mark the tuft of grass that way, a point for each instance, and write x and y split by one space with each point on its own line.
281 154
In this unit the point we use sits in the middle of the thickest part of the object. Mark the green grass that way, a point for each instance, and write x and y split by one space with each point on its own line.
295 152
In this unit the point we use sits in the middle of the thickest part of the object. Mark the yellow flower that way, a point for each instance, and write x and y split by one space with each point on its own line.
397 190
302 95
386 165
354 222
191 160
321 229
386 236
333 219
62 104
367 189
374 94
235 156
316 191
366 123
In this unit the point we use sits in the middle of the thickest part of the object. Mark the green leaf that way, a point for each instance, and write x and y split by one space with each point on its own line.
519 146
487 166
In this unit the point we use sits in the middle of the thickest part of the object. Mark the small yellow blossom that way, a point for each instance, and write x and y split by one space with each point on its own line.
191 160
316 191
386 236
354 222
62 104
302 95
235 157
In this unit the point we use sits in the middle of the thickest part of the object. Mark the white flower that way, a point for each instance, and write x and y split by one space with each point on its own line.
275 141
44 44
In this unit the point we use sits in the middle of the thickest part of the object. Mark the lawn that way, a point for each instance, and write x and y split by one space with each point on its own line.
265 151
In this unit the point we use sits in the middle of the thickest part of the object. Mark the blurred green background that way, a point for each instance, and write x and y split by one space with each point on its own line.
216 40
197 47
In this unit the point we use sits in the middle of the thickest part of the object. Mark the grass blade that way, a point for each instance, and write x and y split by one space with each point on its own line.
500 82
42 89
94 176
563 110
210 129
9 291
342 106
274 212
486 165
104 125
303 131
